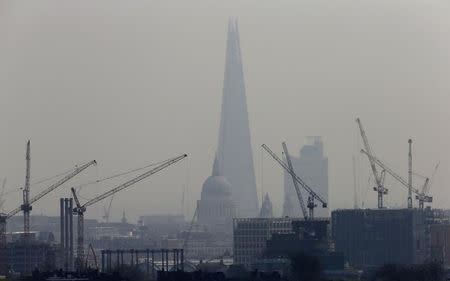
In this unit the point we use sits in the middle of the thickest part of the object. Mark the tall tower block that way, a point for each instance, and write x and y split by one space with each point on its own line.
235 148
312 167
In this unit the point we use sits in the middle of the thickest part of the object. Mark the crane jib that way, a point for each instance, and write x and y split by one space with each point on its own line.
134 180
297 189
53 186
292 173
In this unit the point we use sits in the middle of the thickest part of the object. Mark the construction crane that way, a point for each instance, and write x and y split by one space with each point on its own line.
312 195
423 197
6 216
107 207
79 210
94 257
26 206
379 188
297 188
107 210
188 234
410 204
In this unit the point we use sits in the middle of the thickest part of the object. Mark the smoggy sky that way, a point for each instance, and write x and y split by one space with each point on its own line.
129 83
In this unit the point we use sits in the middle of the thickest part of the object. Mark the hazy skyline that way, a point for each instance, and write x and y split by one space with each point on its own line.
129 84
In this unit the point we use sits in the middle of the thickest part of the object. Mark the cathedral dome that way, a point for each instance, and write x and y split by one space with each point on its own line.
216 188
216 209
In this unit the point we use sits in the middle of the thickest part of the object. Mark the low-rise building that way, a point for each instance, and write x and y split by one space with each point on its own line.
206 245
23 258
250 236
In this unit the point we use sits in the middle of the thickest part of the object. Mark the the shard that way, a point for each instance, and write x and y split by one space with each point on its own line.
235 148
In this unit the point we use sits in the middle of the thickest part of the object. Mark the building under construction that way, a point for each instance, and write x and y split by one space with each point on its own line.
373 237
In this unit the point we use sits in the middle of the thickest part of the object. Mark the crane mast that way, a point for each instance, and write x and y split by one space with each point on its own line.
79 210
5 217
26 206
421 196
410 203
297 188
312 195
380 189
188 234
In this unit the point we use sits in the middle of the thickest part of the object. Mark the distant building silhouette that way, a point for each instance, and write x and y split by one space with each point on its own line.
266 208
234 148
312 167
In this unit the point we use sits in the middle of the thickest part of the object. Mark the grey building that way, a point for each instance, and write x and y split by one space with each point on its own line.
375 237
250 236
266 208
312 167
234 149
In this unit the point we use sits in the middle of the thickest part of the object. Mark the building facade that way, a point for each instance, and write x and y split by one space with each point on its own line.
24 258
312 167
234 149
370 238
440 243
250 236
203 245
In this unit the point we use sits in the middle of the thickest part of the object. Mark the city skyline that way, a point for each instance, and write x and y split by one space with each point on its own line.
136 84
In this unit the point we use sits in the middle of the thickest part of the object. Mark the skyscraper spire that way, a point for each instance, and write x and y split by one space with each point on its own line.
266 208
217 169
235 151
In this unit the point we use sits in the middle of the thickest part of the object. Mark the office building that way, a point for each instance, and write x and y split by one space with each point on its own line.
312 167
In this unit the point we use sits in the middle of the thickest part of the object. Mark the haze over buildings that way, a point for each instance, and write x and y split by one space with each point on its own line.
132 83
129 84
